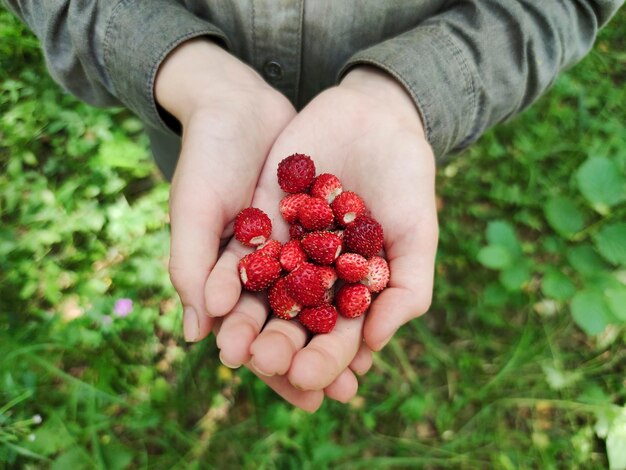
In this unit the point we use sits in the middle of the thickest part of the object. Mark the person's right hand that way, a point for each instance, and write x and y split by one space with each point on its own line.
230 119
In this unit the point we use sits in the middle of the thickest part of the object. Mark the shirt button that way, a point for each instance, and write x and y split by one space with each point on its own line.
273 70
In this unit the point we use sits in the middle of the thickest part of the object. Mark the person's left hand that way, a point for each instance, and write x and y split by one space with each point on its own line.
367 132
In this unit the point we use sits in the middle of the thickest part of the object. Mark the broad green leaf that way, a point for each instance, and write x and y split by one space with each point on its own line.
557 285
515 276
601 183
585 260
616 300
611 243
616 442
494 257
495 295
590 312
502 233
563 215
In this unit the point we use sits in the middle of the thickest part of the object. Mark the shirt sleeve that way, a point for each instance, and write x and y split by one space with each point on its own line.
108 52
480 62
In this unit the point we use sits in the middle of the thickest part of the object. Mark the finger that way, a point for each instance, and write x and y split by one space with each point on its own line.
307 400
223 286
239 329
362 361
196 227
326 356
343 388
275 347
409 295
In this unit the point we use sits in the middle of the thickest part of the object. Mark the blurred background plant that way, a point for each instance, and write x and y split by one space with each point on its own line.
520 363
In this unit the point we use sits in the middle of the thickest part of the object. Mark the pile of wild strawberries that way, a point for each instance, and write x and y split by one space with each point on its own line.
332 237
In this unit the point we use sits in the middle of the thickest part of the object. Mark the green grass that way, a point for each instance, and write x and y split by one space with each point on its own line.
519 364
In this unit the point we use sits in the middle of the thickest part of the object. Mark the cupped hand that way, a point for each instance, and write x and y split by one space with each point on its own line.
230 119
367 132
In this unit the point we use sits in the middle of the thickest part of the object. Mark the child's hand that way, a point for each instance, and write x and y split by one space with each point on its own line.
368 133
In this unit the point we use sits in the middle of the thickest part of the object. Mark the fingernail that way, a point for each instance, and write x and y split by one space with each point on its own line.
191 326
230 366
259 371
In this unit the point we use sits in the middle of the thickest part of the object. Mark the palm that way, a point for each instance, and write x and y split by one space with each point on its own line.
383 161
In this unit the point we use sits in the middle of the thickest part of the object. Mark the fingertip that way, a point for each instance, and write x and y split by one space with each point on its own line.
344 388
362 362
309 370
221 294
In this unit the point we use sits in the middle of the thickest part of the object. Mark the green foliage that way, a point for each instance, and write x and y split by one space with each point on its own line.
520 363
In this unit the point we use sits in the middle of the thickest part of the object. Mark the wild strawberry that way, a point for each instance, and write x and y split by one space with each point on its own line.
296 232
292 255
270 248
329 276
316 214
282 303
296 173
326 186
377 274
290 204
257 271
351 267
322 247
305 284
319 319
347 207
353 300
363 236
252 227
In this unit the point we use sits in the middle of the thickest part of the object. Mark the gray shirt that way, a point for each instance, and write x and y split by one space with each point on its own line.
468 64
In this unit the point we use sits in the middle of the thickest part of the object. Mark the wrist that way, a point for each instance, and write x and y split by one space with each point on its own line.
199 74
378 85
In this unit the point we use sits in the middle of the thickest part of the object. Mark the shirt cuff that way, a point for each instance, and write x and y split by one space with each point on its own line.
435 72
139 35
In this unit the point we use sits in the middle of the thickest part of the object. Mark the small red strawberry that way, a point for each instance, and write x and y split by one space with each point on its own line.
292 255
319 319
329 276
322 247
316 214
296 232
347 207
290 204
326 186
296 173
282 303
305 284
252 227
257 271
353 300
377 274
363 236
351 267
270 248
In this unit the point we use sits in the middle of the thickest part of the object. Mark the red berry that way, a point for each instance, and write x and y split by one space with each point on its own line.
252 227
290 204
347 207
319 319
292 255
305 284
257 271
326 186
282 303
377 274
353 300
322 247
329 276
351 267
296 232
363 236
296 173
270 248
316 214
